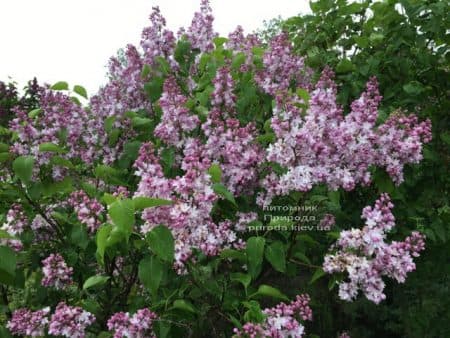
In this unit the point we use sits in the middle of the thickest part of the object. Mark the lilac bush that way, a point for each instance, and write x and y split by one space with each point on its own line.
134 214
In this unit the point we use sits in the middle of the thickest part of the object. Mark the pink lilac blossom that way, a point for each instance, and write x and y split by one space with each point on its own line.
125 90
193 199
56 272
280 321
366 257
176 120
62 122
239 43
324 146
223 95
235 148
282 67
201 32
88 209
327 221
42 230
244 219
70 321
137 326
16 222
25 322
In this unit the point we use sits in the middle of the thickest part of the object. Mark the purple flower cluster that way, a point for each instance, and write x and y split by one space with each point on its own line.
193 199
66 321
366 257
324 146
56 272
176 121
88 209
16 222
234 147
223 95
137 326
25 322
62 122
280 321
282 67
70 321
201 32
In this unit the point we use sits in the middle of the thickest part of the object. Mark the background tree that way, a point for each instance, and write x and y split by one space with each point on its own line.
405 44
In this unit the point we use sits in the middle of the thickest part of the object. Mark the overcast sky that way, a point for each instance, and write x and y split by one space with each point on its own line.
72 40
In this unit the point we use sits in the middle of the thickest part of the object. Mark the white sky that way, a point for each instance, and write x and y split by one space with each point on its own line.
62 40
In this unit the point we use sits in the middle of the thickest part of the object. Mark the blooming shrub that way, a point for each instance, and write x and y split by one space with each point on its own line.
143 202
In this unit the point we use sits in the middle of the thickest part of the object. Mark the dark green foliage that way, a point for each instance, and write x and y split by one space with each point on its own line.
10 98
405 45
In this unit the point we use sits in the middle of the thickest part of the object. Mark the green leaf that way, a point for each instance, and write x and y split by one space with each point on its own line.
184 305
221 190
23 168
243 278
413 88
79 236
122 214
102 240
141 203
138 121
108 174
80 90
215 172
255 252
109 198
319 273
61 85
35 112
376 38
344 66
269 291
150 273
6 235
302 257
181 51
7 261
233 254
167 159
95 281
219 41
154 88
276 255
162 243
51 147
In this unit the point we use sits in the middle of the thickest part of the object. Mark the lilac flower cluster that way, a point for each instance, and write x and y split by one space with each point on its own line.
201 32
25 322
125 90
88 209
366 257
137 326
56 272
324 146
234 147
176 121
281 67
223 95
16 222
66 321
280 321
193 199
70 321
239 43
62 122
